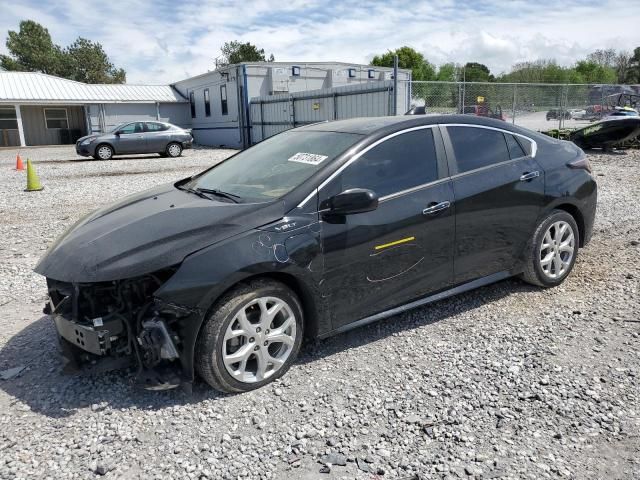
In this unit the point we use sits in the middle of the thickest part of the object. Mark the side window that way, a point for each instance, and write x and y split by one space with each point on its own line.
223 99
192 101
207 103
515 150
131 128
155 127
402 162
477 147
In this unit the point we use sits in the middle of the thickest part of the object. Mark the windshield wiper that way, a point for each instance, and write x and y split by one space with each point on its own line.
212 191
195 192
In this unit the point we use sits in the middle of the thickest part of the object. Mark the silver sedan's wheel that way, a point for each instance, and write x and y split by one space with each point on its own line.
174 150
557 250
259 339
105 152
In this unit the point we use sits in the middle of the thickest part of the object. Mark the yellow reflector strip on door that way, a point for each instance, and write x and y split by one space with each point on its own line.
397 242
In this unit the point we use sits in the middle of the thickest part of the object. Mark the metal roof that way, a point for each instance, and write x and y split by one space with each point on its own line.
34 87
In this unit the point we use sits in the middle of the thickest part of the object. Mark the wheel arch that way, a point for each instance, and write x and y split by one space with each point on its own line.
577 215
308 303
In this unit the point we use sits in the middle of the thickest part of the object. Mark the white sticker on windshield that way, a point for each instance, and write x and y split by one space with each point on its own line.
308 158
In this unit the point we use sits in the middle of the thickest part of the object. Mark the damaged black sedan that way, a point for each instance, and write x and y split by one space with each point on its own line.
310 233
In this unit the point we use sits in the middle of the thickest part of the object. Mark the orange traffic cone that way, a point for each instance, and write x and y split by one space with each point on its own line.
19 165
33 182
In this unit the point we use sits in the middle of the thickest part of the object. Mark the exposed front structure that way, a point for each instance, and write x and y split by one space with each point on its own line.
39 109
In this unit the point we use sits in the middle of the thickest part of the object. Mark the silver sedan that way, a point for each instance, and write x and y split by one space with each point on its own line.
136 137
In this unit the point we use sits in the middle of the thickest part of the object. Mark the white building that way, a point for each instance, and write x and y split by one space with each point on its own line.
39 109
220 112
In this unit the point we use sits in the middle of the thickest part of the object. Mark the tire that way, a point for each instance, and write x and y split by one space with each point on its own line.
552 251
216 342
173 150
104 152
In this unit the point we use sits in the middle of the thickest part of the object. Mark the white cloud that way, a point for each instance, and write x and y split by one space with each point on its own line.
159 42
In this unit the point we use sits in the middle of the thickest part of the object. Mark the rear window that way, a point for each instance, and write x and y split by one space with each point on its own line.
477 147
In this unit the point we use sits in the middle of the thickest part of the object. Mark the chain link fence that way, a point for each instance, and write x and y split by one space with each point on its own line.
535 106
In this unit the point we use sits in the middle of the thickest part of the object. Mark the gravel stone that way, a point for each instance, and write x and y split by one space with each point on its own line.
505 381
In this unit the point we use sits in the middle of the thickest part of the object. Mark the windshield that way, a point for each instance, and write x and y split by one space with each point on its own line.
117 127
276 166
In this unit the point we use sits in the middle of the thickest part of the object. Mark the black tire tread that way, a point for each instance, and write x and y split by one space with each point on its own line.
215 325
530 273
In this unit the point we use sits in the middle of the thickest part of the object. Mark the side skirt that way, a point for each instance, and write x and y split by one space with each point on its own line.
465 287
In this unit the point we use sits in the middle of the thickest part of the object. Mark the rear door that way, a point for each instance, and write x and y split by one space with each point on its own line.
499 193
156 136
131 139
400 251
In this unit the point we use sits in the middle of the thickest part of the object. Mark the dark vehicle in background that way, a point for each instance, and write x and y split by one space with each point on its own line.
483 110
313 232
136 137
557 114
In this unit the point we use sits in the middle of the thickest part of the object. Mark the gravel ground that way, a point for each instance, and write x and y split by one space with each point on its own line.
507 381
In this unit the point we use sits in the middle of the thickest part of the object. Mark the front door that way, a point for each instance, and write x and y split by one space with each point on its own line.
401 251
131 139
499 193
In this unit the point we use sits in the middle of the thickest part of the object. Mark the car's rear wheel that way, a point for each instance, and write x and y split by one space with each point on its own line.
104 152
552 251
251 338
174 149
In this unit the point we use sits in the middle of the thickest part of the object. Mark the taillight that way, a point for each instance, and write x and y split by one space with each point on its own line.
581 163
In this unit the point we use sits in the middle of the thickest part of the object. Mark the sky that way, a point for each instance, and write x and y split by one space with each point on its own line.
161 42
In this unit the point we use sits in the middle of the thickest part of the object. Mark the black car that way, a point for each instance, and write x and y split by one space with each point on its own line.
314 231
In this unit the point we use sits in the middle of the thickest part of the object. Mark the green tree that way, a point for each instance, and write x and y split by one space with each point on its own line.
447 72
477 72
32 50
408 58
592 72
634 67
238 52
86 61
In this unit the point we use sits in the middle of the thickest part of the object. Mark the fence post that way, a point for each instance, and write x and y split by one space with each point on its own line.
261 120
395 84
335 106
293 111
513 106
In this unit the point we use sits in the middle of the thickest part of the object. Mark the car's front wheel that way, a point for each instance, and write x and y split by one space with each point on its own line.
552 251
104 152
251 338
174 150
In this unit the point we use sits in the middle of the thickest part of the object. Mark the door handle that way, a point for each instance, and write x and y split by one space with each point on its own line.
438 207
525 177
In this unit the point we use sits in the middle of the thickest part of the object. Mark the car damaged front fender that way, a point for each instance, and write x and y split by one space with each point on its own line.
205 276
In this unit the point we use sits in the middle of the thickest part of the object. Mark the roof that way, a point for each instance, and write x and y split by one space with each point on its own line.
325 65
385 125
34 87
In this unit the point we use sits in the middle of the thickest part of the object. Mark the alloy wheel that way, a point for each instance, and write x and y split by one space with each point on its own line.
557 250
104 152
259 339
174 150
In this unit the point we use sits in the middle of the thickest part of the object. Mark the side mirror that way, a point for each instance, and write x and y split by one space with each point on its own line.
117 134
354 200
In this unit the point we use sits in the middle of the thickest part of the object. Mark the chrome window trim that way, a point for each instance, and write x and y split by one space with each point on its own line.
486 167
534 145
401 193
358 155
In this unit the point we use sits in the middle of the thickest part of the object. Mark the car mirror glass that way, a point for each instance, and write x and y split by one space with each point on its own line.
352 201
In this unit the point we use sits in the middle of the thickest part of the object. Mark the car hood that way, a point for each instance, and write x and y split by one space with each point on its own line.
147 232
86 137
